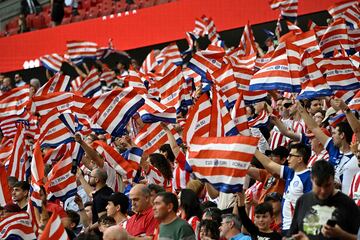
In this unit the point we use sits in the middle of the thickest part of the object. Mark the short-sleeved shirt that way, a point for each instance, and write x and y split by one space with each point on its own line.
311 214
271 184
178 229
354 192
142 224
240 236
346 165
296 184
100 202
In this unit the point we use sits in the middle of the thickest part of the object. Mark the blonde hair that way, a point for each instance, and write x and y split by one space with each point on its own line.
196 186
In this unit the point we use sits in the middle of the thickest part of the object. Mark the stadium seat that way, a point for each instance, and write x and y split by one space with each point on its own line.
13 23
29 19
92 13
120 7
66 20
147 3
105 11
13 31
47 18
38 22
158 2
77 18
132 7
85 4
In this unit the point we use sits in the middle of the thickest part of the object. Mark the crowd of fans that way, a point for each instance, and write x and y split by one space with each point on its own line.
307 187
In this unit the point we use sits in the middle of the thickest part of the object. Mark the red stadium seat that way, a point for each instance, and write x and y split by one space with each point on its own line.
147 3
47 18
77 18
120 7
29 19
85 4
13 31
92 13
38 22
132 7
66 20
105 11
13 23
158 2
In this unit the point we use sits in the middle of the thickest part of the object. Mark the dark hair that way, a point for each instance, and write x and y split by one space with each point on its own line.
344 127
162 164
190 203
321 172
207 204
303 150
74 217
212 227
107 220
263 208
214 213
167 198
167 148
25 186
156 188
88 236
88 204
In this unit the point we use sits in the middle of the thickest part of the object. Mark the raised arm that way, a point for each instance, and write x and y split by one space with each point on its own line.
284 130
174 147
312 125
91 153
339 104
268 164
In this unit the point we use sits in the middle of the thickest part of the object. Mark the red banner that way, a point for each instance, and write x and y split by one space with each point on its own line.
142 27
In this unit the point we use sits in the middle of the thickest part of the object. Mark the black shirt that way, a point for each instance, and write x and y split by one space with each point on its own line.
254 230
311 214
99 201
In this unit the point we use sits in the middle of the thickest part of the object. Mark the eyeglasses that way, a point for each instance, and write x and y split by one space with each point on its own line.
293 155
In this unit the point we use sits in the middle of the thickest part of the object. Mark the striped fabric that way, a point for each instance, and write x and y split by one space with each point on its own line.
153 111
17 226
54 229
78 50
91 84
58 83
52 62
222 161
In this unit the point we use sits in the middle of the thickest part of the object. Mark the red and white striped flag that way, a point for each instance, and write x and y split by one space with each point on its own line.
355 60
153 111
222 161
114 159
45 103
173 89
355 102
61 182
52 62
78 50
314 84
114 109
198 119
171 53
75 84
208 60
247 41
5 194
19 158
54 229
14 101
152 136
293 28
340 74
354 37
91 84
17 226
238 114
37 175
337 9
8 124
261 120
58 83
241 61
53 132
149 63
335 37
307 42
133 80
221 123
288 7
352 15
224 77
5 152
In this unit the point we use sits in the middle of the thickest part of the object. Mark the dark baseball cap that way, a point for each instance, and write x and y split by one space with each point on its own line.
280 151
119 198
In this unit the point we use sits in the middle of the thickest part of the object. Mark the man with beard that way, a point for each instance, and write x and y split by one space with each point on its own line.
97 180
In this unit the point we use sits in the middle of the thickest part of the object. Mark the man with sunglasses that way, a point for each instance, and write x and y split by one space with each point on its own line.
296 176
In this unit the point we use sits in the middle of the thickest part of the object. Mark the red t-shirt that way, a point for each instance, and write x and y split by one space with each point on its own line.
142 224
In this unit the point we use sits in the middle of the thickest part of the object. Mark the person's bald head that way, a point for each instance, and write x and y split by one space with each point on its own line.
140 198
115 233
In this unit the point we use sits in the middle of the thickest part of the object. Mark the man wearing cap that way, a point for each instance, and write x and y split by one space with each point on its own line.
118 204
271 183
